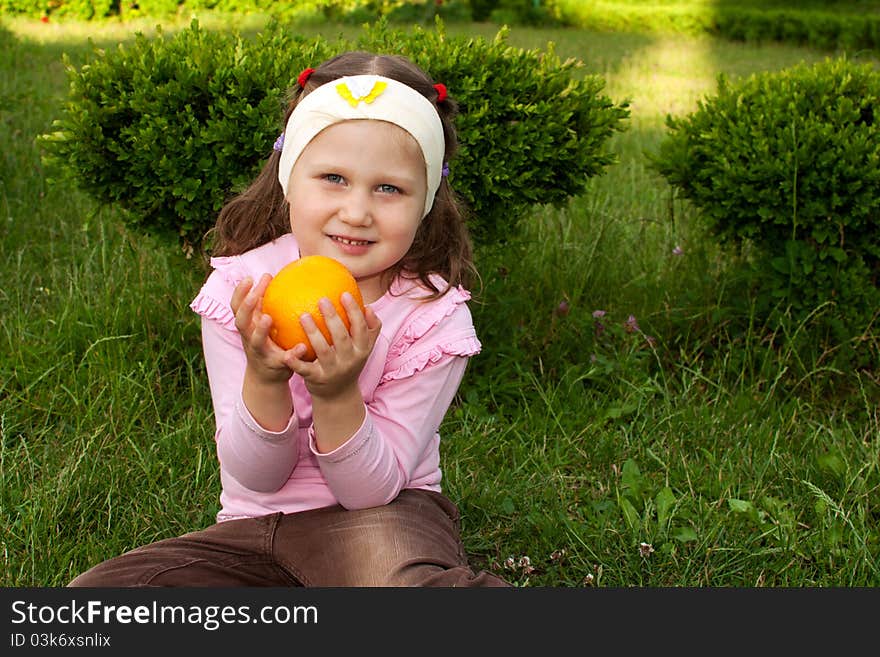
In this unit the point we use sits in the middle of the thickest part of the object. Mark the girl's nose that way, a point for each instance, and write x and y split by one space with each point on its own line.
356 209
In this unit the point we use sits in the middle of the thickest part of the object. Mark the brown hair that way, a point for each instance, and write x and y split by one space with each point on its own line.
441 246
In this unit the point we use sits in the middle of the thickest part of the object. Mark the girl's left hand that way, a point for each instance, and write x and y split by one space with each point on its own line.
337 367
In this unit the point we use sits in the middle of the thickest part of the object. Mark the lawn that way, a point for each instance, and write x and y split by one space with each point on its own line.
701 457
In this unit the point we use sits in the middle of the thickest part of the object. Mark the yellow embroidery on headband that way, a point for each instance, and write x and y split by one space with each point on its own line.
343 90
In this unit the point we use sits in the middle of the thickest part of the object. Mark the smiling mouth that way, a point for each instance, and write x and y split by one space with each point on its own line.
345 240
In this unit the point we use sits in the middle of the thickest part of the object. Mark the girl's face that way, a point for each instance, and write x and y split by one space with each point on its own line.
357 194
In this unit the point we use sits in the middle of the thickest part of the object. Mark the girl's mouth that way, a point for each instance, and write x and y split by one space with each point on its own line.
349 242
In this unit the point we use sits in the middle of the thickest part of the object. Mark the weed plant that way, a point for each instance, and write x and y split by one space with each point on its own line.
624 425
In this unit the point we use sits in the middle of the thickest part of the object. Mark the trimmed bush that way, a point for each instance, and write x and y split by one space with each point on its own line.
169 128
789 164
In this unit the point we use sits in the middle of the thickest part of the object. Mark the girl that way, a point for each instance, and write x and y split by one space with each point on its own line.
330 469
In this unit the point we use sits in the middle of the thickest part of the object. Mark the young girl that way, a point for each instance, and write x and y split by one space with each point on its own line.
330 469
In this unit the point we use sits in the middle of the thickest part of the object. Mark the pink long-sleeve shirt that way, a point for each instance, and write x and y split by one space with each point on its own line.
407 384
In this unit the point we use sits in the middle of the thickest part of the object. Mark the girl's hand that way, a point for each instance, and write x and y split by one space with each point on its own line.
336 369
267 362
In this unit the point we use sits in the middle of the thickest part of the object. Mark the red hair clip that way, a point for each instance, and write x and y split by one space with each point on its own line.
304 77
441 92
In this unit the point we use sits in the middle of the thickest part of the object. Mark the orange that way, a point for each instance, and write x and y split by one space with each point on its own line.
296 289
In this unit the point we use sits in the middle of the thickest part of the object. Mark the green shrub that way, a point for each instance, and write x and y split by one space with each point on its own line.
348 11
300 12
155 8
397 11
788 163
169 128
480 9
851 25
83 9
76 9
844 24
24 7
450 11
524 12
816 28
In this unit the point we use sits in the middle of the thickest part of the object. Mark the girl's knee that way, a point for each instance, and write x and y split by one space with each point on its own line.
108 574
399 545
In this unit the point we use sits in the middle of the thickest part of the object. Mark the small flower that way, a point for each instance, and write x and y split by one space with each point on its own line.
646 549
557 555
562 309
677 251
44 19
651 340
588 579
598 314
631 325
509 563
526 565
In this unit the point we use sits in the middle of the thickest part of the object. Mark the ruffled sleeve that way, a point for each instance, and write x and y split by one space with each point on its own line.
213 300
438 329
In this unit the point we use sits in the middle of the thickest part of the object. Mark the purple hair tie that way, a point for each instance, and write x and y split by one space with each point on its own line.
445 171
279 143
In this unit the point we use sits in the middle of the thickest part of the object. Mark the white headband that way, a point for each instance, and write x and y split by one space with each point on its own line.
366 97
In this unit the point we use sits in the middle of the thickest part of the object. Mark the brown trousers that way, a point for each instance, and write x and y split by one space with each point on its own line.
413 541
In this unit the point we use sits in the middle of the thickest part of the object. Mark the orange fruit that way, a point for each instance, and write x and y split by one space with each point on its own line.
296 289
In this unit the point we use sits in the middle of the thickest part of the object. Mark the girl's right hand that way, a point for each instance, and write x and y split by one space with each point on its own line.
267 361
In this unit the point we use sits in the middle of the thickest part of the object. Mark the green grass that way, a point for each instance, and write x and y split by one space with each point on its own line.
735 463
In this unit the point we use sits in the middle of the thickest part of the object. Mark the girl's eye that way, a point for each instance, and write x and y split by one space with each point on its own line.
333 177
388 189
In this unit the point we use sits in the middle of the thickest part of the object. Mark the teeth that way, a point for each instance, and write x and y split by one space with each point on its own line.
352 242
